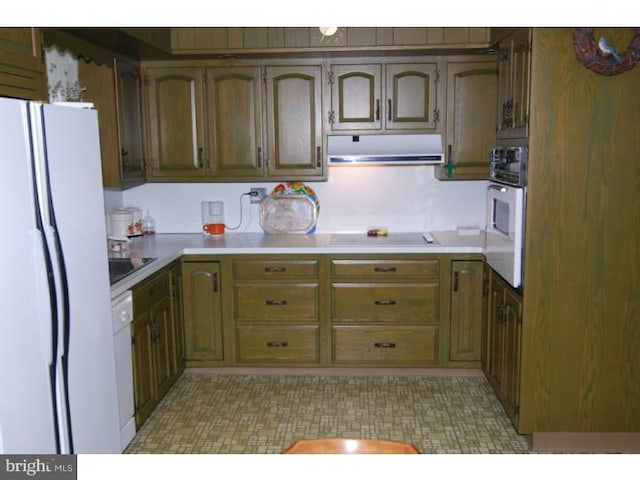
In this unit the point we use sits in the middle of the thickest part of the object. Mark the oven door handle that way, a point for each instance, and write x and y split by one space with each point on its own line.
496 187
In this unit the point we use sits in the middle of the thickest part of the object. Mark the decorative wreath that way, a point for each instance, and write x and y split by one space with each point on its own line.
600 57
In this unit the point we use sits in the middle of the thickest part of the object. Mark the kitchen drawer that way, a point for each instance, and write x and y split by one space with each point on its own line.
151 291
375 268
273 302
385 345
286 344
385 302
275 269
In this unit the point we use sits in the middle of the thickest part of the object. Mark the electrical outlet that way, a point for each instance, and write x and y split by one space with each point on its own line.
258 194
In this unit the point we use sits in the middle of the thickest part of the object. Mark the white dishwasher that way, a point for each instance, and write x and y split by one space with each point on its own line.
122 315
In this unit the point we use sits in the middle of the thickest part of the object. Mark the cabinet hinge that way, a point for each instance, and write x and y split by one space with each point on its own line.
147 80
332 117
516 409
204 77
436 115
330 77
264 78
436 77
485 287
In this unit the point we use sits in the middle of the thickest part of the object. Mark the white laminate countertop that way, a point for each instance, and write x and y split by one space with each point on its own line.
165 248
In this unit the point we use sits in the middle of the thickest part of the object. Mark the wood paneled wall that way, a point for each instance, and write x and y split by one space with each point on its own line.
581 330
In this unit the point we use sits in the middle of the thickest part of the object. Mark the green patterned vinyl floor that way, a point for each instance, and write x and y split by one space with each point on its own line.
224 413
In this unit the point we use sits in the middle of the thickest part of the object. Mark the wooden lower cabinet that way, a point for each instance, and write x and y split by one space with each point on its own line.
202 306
467 281
155 345
276 304
385 310
400 310
504 330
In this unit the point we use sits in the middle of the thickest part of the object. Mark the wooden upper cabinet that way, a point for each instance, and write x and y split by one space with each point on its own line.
356 97
234 106
294 122
378 97
411 96
114 89
22 69
100 89
174 102
130 133
514 78
471 119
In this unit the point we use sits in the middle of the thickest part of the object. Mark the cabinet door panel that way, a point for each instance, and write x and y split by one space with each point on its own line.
143 374
164 347
466 310
356 97
294 123
411 96
202 310
235 121
471 117
129 109
98 80
176 122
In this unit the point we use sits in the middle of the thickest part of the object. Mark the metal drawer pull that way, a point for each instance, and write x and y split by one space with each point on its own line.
385 344
277 344
275 269
384 302
276 302
385 269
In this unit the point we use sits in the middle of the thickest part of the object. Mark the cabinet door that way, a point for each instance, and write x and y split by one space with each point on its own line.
178 363
466 310
521 71
514 57
163 346
356 96
234 107
410 100
471 116
495 370
129 109
202 310
100 89
294 123
175 118
512 341
505 80
144 385
22 70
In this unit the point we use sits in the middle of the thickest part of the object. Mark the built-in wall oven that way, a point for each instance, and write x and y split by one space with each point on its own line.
506 199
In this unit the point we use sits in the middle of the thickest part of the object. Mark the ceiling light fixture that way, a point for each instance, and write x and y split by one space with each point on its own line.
328 31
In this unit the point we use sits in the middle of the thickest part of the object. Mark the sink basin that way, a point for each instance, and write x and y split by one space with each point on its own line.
121 267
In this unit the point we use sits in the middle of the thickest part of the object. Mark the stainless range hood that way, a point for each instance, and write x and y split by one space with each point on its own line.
419 149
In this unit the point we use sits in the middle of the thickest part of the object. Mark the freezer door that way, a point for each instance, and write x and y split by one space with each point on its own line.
72 146
27 423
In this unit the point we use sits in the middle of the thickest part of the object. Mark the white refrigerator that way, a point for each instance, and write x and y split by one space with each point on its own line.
57 363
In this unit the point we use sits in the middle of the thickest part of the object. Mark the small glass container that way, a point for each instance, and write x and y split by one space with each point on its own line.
148 224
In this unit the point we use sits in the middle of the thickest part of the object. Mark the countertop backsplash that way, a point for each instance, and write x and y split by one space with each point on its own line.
401 199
